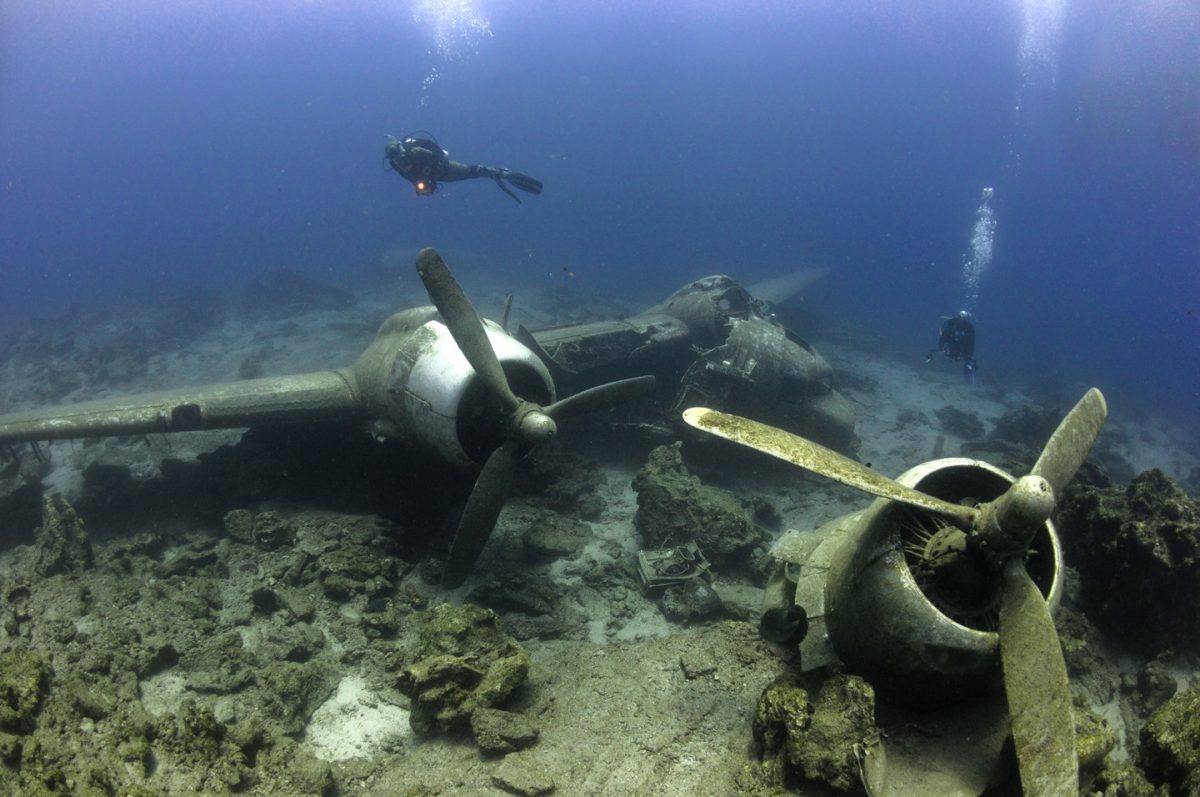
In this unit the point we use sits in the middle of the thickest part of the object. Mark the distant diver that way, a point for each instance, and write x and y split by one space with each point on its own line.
956 339
423 162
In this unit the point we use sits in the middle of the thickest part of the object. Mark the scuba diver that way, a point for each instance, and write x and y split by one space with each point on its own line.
956 339
424 163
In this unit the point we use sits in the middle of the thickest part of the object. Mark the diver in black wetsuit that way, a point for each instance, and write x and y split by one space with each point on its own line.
956 339
424 163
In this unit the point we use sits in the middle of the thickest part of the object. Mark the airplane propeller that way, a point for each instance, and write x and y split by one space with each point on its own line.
526 424
994 536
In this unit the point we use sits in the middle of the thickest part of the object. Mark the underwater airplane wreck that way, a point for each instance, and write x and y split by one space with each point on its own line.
938 592
469 393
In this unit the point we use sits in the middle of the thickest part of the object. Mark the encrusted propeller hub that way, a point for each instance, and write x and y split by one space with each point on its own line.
1007 524
536 427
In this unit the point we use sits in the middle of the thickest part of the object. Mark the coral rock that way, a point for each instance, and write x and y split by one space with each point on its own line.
464 662
62 542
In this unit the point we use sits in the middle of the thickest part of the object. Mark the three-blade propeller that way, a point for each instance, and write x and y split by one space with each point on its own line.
525 424
998 532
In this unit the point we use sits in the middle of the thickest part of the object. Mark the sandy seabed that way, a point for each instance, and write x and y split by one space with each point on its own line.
187 659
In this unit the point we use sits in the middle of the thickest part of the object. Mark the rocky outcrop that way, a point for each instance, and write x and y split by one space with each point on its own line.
674 507
1137 550
463 662
1170 751
62 542
815 739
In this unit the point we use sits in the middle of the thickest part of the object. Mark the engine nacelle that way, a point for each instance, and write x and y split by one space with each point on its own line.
923 636
432 396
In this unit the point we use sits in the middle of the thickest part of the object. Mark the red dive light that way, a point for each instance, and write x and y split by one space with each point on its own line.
425 188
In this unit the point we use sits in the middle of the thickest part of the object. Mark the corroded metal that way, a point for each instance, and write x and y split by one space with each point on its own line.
943 589
412 383
725 349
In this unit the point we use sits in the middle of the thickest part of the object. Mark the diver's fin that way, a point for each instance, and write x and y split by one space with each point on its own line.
524 182
504 188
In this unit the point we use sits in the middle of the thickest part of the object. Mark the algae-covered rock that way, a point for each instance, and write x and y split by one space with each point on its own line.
464 661
517 593
239 525
10 750
1083 649
1155 684
532 607
675 507
381 619
815 740
296 770
80 693
62 542
843 717
691 602
356 569
563 481
550 535
1125 780
292 691
272 530
23 681
41 770
1094 739
1138 553
218 663
1170 749
193 740
783 710
524 775
498 732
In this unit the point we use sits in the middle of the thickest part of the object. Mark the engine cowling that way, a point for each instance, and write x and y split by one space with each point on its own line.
430 394
922 634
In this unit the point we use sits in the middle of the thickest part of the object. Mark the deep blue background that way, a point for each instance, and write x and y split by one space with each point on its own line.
150 145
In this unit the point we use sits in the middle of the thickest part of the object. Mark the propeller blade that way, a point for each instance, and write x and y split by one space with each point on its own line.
479 517
601 397
463 323
812 456
1068 447
1035 683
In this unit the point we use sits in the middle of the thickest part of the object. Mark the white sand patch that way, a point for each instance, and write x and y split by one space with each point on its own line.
1150 442
647 623
162 693
355 723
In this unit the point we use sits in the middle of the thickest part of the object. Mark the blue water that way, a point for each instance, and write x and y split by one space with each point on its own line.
148 145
